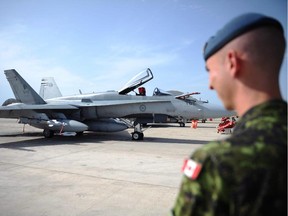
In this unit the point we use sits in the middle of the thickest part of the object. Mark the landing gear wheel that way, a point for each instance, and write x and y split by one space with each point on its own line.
80 133
137 136
182 124
48 133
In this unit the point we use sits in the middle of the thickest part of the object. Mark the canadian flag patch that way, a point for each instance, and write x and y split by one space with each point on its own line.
191 168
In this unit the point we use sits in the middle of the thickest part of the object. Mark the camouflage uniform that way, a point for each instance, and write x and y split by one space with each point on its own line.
245 174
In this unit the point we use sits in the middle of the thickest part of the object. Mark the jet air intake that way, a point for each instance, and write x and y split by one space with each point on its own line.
106 125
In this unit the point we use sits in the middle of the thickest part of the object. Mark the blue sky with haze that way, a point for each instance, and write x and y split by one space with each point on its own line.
99 45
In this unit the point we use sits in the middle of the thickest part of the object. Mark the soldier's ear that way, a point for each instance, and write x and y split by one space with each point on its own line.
233 63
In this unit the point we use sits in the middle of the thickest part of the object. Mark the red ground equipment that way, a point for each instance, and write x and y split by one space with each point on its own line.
226 125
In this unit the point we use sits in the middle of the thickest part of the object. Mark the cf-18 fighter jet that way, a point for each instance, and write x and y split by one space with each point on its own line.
100 111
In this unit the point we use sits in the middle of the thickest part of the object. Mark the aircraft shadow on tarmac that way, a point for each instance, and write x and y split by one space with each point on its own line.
37 142
87 138
159 125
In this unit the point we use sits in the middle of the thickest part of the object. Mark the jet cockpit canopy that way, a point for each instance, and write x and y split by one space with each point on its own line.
136 81
160 92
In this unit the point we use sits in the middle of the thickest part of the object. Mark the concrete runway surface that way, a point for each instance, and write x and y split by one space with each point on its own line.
96 174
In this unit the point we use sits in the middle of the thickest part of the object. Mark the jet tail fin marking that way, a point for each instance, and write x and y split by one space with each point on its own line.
49 88
21 89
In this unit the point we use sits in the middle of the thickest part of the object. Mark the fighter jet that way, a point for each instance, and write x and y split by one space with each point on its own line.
105 112
49 89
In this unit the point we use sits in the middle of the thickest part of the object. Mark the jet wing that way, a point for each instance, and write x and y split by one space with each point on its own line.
18 110
101 103
76 105
21 106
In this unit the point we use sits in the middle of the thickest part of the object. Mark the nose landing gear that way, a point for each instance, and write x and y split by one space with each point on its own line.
137 134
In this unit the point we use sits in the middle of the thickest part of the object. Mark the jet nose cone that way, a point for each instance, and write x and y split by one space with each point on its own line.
216 111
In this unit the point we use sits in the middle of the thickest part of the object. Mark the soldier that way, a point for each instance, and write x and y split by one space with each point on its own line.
246 174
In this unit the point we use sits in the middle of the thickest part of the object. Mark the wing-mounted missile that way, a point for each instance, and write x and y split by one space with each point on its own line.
66 125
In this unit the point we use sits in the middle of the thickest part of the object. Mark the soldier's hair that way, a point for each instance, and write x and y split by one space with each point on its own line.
263 47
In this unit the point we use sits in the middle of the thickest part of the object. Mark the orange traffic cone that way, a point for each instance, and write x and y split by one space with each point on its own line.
194 124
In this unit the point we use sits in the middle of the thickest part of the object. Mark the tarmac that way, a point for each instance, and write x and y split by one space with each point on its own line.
96 174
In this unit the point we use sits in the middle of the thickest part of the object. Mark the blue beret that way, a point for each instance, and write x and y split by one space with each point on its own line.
235 28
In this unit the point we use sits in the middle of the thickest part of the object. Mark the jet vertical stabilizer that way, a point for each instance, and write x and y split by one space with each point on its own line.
49 88
22 90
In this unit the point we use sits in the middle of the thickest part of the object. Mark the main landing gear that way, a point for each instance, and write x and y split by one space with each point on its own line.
181 124
137 134
48 133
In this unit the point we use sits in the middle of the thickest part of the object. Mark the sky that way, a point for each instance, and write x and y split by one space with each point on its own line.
99 45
